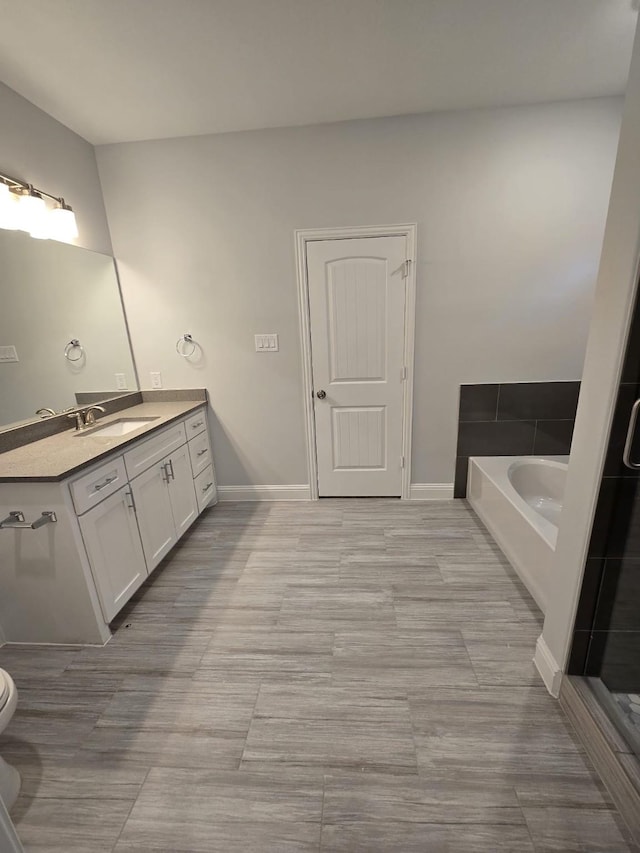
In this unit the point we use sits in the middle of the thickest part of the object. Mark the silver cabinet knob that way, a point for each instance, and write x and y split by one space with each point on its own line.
321 395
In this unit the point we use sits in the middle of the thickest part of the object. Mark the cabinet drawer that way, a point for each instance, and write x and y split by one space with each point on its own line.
200 453
99 483
205 487
196 424
145 454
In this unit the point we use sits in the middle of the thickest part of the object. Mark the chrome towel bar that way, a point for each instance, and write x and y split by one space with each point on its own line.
74 344
15 520
186 346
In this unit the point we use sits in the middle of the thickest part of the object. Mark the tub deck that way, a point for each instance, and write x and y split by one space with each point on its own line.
526 537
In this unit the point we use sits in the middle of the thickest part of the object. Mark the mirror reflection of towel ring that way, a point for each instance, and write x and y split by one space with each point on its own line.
74 344
186 346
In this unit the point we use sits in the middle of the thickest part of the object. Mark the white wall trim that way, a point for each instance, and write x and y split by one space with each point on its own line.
548 667
431 491
306 235
264 493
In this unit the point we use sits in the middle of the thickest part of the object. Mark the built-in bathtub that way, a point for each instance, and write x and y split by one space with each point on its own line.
519 499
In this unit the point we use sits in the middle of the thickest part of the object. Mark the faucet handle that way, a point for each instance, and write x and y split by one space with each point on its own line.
77 416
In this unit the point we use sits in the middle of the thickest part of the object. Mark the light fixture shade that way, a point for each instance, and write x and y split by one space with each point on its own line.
33 215
8 208
23 207
62 224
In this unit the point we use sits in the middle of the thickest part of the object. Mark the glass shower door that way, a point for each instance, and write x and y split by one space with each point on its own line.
606 644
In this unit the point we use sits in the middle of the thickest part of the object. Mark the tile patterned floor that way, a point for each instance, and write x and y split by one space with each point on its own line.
336 676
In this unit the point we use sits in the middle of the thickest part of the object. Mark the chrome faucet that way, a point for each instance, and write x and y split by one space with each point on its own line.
46 412
89 417
86 417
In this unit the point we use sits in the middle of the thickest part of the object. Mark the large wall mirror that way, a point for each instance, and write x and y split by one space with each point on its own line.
51 294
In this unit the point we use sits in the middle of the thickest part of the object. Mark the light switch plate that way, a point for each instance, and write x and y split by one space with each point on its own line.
8 353
267 343
156 379
121 382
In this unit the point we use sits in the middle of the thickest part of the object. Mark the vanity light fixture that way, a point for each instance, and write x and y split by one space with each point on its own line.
32 214
63 223
8 208
23 207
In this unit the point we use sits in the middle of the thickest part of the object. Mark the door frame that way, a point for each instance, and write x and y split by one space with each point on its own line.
308 235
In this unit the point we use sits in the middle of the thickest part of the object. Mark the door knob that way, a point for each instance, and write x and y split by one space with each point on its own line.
321 395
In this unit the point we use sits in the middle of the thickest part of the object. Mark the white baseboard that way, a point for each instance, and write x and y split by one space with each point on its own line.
431 491
548 667
419 492
264 493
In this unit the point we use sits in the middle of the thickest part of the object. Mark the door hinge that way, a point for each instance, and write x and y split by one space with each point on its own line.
407 265
402 461
403 374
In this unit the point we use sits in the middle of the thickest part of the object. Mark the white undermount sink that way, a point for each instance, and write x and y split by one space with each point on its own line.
122 426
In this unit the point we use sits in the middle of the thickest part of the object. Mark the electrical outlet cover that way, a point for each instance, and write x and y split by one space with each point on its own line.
267 343
156 379
8 353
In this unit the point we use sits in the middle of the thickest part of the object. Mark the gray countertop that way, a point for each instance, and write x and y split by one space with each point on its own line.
58 456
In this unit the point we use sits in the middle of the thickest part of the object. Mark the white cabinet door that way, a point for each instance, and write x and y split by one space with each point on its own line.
115 554
155 518
182 494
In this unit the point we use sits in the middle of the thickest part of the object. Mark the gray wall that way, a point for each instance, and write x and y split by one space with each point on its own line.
36 148
510 206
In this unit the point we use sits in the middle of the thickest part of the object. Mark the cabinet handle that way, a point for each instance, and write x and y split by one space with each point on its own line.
165 473
206 488
132 505
99 486
195 426
170 464
202 452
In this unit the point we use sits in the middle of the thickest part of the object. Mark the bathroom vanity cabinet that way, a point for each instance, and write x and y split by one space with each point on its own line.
115 521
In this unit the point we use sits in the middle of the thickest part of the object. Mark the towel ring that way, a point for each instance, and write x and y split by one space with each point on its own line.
74 344
183 344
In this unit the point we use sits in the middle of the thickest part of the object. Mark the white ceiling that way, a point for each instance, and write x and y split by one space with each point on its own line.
118 70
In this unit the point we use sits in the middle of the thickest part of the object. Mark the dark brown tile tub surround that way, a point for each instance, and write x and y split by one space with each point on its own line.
514 419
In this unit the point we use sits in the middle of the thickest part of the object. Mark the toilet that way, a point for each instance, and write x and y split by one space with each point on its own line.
9 776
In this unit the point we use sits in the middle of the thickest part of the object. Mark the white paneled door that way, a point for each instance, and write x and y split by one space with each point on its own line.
357 290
